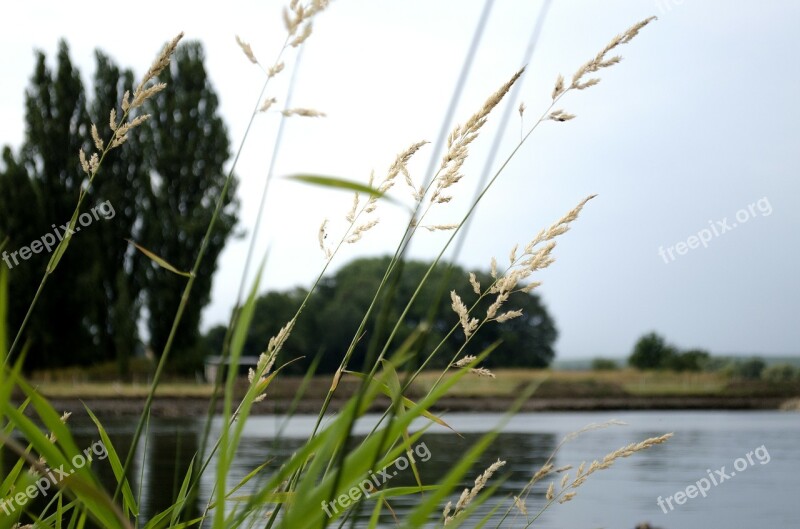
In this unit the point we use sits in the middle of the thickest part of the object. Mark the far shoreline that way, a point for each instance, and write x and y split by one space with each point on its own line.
172 407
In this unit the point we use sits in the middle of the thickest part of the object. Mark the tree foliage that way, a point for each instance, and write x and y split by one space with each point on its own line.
334 312
604 364
39 186
160 185
653 352
691 360
190 145
750 369
781 373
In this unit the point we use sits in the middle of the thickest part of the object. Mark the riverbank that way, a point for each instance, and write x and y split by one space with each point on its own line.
198 407
555 391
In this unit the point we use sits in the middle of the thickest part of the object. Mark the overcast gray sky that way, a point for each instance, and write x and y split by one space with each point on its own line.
698 125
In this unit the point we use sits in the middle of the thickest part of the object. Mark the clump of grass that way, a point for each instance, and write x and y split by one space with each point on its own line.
330 462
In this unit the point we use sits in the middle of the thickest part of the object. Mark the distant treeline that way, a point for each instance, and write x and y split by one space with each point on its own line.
333 313
653 352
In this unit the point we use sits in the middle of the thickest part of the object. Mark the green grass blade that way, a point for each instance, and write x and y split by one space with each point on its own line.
228 443
408 403
376 515
341 184
80 481
129 502
3 316
306 513
158 260
182 494
58 253
248 477
11 477
421 515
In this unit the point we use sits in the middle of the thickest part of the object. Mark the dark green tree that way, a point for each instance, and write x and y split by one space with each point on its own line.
39 188
526 341
781 373
750 369
691 360
124 181
190 149
92 304
333 314
651 352
214 339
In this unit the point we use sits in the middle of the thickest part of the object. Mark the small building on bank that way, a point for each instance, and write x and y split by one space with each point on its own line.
213 363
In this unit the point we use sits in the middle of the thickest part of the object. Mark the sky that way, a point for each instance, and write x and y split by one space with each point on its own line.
691 143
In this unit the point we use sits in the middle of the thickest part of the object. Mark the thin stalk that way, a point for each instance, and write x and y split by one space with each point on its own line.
490 159
410 231
84 191
250 250
444 249
431 175
188 288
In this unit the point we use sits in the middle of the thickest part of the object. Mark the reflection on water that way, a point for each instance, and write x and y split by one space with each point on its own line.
762 496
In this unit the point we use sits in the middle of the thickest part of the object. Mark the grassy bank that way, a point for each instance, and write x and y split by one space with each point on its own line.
554 385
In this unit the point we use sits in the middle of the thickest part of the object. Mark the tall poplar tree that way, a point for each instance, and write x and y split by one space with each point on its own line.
162 184
39 187
191 145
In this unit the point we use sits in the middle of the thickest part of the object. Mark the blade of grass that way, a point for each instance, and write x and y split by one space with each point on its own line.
158 260
419 516
181 499
333 182
129 502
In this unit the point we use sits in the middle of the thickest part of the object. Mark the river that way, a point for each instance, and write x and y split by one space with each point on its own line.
757 488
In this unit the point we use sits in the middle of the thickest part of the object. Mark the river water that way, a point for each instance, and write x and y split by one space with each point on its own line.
758 487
